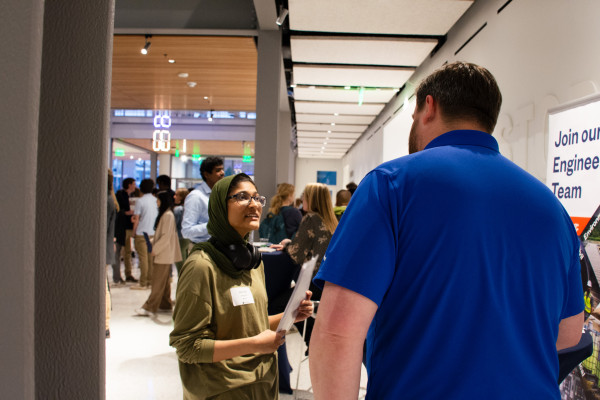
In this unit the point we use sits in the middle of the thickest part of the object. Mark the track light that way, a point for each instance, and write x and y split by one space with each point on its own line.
147 45
283 12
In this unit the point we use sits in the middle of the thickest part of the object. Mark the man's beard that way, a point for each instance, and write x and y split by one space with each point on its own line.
412 140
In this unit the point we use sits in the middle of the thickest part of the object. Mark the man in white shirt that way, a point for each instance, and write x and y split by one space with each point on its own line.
146 211
195 209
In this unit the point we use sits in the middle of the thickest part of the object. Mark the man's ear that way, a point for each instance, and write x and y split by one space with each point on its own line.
430 109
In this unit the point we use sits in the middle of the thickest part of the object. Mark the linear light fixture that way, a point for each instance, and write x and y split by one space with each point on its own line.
283 12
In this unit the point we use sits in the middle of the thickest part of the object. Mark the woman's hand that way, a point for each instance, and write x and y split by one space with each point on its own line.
268 341
281 244
305 309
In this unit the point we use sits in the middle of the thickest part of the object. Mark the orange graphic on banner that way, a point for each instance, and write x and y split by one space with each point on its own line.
580 224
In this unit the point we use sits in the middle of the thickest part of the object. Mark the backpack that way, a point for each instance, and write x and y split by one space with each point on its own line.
273 227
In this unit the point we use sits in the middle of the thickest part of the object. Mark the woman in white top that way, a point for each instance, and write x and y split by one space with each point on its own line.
166 251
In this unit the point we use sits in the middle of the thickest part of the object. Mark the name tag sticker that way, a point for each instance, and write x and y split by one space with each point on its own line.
241 295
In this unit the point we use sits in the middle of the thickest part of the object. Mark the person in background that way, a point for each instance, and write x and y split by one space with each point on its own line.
164 184
180 195
342 198
313 236
124 233
282 220
195 212
165 252
224 338
455 261
298 205
137 193
143 222
351 187
112 207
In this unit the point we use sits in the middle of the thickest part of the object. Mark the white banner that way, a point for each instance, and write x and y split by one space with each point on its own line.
573 171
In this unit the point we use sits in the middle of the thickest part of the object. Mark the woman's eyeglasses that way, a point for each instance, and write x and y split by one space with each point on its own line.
243 199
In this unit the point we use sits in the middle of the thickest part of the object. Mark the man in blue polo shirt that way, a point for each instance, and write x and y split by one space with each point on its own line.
195 209
462 268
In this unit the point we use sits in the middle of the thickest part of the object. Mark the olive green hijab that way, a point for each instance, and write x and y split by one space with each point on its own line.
219 228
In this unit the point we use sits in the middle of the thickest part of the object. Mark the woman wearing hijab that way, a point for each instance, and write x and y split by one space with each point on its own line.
224 338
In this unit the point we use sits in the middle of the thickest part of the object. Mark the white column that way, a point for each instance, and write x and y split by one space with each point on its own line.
164 164
71 200
20 67
267 110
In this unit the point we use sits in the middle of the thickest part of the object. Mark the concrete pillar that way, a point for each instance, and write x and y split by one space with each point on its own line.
153 164
285 157
21 30
71 200
267 110
164 166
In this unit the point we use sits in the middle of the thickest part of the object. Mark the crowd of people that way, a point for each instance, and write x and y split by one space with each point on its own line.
431 264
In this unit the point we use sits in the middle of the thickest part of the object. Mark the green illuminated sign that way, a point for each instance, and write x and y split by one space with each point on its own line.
177 153
196 157
247 158
119 152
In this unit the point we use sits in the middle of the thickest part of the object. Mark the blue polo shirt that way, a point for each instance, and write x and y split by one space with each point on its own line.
472 262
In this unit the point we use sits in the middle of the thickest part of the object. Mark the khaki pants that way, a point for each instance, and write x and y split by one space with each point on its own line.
145 260
126 252
160 296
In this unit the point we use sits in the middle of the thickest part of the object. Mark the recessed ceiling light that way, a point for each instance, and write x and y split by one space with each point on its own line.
205 97
147 44
171 61
191 84
131 157
335 114
183 74
328 131
333 124
347 87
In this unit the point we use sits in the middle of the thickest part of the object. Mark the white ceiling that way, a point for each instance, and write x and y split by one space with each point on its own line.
396 17
350 58
365 51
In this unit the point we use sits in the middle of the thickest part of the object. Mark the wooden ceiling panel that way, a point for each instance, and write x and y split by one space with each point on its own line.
224 69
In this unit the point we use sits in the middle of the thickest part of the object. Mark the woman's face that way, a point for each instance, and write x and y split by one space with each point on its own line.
304 203
244 218
177 199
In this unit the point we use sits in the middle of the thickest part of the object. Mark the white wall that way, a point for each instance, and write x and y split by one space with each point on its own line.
396 132
366 154
306 172
542 54
177 168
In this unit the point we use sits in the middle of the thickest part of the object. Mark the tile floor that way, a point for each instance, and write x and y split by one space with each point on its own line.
140 364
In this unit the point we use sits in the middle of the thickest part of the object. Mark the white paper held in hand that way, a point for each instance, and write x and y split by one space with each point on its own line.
299 294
